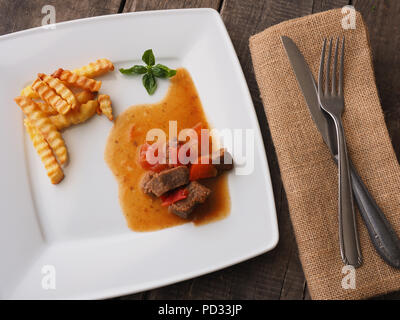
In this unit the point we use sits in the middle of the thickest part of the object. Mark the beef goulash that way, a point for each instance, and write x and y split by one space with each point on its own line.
162 195
159 183
177 186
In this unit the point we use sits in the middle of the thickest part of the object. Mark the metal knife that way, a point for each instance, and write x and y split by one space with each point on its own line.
381 233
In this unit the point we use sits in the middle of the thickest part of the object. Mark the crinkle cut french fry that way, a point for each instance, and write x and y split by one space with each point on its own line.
47 109
105 105
84 96
83 113
60 88
50 96
45 127
77 80
29 92
98 111
53 169
95 69
91 70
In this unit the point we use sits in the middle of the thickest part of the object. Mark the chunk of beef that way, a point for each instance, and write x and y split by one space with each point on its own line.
197 193
144 183
222 160
159 183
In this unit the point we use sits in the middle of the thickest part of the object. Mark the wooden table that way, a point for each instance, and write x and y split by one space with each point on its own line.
277 274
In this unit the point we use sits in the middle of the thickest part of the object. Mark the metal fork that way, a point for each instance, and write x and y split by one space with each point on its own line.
332 101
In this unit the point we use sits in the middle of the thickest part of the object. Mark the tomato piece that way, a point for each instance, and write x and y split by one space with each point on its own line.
202 171
197 128
157 167
174 196
142 156
172 150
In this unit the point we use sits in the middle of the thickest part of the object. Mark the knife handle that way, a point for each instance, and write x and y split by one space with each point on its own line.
382 235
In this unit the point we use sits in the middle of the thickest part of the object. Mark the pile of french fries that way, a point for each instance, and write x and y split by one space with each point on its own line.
55 102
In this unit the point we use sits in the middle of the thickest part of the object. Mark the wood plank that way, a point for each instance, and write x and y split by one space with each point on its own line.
382 19
323 5
142 5
20 15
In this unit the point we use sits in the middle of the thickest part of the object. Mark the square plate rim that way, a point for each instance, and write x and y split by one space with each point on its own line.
266 246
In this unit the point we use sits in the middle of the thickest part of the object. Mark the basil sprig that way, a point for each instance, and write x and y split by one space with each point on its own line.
150 72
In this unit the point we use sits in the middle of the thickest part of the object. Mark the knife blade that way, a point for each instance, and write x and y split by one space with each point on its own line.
308 86
381 233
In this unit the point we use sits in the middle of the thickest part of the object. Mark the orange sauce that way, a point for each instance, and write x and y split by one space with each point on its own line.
142 212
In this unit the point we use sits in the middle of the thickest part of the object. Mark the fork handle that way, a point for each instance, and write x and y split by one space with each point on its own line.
348 235
381 233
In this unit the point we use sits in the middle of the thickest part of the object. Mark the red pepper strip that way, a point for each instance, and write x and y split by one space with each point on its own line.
202 171
174 196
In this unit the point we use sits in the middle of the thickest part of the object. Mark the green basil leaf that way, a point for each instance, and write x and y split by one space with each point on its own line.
160 72
167 73
149 82
136 69
150 72
171 73
161 66
148 57
126 71
139 69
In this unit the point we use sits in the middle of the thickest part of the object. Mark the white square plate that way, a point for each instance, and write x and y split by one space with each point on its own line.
77 227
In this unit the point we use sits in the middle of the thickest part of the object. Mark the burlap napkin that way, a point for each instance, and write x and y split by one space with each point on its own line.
308 172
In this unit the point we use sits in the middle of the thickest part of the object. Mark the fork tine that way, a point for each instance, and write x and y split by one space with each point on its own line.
328 68
341 70
321 70
335 59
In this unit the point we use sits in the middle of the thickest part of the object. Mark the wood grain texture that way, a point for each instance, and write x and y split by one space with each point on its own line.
142 5
323 5
383 21
23 14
